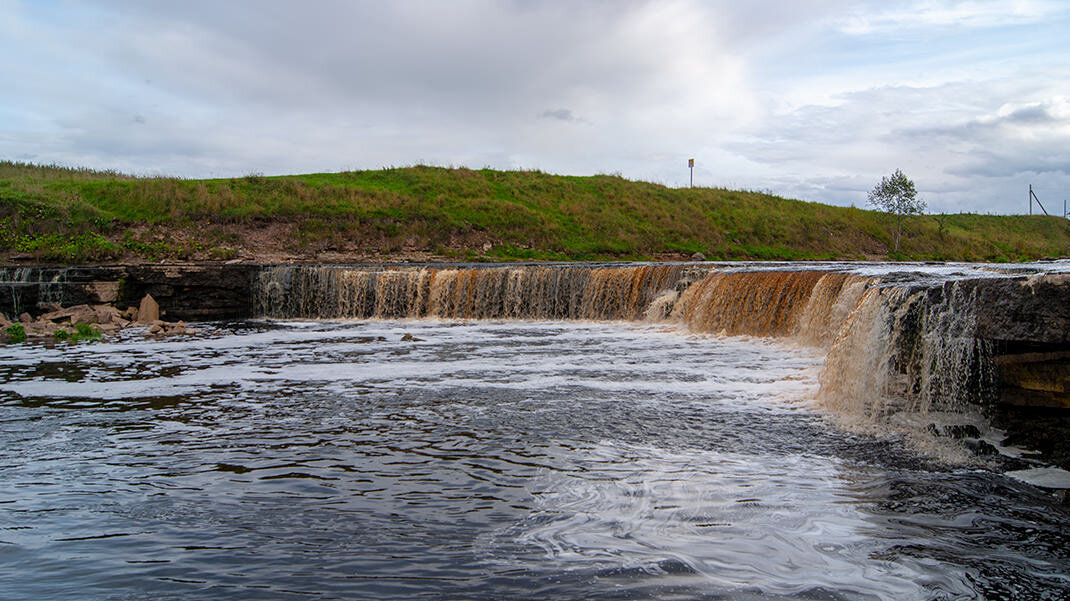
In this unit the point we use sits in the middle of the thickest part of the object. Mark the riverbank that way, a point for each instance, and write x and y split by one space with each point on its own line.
432 214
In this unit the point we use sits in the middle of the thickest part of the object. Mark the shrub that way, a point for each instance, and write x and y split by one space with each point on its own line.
16 333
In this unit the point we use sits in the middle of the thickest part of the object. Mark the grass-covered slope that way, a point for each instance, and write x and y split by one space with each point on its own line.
78 215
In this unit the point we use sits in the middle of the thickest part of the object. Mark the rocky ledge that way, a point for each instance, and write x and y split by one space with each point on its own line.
63 322
184 292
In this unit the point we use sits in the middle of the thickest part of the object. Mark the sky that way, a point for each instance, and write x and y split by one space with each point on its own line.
816 100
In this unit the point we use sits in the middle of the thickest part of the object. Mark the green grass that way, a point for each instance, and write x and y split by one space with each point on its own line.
76 215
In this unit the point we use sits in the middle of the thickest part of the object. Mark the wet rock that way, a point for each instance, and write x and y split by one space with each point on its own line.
410 338
149 310
981 448
962 431
164 328
698 257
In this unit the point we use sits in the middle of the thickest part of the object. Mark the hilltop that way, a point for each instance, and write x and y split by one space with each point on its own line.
72 215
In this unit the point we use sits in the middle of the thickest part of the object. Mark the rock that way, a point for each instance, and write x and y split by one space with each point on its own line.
102 292
410 338
4 321
698 257
156 328
981 447
130 314
56 315
83 314
962 431
25 318
149 311
41 329
107 314
74 315
487 246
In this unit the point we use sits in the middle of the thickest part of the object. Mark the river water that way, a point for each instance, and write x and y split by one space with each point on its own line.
481 460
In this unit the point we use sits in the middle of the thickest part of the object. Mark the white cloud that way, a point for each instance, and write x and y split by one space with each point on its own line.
765 95
895 17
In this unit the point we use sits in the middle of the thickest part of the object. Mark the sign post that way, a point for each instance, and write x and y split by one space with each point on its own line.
691 166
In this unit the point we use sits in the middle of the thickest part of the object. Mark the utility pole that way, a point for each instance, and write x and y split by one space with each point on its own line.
691 166
1032 197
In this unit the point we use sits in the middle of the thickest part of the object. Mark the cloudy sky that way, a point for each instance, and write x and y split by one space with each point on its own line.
812 99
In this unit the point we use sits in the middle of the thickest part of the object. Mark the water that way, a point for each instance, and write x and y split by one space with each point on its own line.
484 460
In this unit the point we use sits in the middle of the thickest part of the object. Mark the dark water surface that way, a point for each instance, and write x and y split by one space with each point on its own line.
482 461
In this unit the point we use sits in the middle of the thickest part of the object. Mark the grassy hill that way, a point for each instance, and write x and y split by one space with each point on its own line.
59 214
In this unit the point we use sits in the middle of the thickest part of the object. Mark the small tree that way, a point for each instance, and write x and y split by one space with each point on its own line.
896 194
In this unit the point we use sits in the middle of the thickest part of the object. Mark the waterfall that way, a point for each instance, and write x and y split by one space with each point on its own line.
810 306
890 347
908 349
493 292
26 288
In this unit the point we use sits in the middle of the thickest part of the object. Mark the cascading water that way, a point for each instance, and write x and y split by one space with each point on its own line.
491 450
28 287
888 346
549 292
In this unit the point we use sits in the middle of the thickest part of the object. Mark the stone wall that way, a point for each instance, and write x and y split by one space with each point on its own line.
186 292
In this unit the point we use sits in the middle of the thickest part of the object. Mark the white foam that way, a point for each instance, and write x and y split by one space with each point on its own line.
1045 477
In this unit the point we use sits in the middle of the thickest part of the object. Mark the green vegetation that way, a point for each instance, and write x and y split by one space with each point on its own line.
82 331
897 195
76 215
15 333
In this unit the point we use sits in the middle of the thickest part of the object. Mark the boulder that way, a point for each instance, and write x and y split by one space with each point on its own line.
4 321
107 314
41 329
83 314
73 315
698 257
25 318
149 311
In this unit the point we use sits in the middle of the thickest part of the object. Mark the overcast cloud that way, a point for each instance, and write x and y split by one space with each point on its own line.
814 100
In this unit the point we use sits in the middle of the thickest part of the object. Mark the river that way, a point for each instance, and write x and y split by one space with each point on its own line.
440 459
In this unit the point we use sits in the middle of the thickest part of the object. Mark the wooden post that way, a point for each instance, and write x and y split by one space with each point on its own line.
691 166
1032 197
